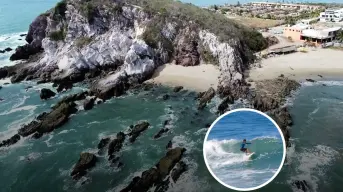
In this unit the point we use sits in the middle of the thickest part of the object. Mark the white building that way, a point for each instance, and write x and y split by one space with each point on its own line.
331 15
320 36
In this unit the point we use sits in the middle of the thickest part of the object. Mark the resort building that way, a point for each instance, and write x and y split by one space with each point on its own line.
331 15
320 36
287 5
294 32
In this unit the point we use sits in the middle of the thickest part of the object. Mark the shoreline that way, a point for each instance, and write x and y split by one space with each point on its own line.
319 64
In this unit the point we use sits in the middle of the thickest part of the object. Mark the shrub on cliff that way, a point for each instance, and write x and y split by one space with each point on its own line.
57 35
83 41
60 9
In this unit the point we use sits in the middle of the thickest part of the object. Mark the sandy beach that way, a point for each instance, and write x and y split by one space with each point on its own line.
197 78
319 64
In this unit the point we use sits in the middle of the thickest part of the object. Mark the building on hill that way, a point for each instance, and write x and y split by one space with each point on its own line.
331 15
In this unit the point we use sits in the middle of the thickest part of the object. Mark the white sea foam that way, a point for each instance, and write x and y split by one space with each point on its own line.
30 157
67 131
313 164
30 108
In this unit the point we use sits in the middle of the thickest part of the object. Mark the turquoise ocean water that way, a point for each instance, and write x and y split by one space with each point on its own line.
45 164
233 167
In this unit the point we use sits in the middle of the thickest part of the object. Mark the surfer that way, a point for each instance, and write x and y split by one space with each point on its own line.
243 148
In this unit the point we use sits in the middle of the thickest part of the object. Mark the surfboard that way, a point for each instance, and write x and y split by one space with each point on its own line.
251 154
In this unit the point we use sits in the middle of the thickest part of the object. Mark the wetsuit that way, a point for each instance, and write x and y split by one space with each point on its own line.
243 148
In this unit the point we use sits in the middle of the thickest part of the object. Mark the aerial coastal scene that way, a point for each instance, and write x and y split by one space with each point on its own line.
117 95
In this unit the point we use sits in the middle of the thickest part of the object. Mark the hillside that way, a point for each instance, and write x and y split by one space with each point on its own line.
120 43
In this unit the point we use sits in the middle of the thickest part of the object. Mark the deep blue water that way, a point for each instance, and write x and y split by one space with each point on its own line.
243 124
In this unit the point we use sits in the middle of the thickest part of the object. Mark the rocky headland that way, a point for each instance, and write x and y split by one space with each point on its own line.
116 45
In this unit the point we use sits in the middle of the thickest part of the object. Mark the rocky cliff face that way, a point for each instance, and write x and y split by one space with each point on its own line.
81 38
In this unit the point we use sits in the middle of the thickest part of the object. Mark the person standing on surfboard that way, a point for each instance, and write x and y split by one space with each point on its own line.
243 148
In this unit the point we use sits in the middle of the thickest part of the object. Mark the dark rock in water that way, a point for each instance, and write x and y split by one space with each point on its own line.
8 49
28 87
55 84
46 93
320 76
20 75
115 145
160 133
20 39
113 91
29 129
14 139
89 104
169 145
24 52
22 35
0 87
37 135
86 161
302 185
6 83
103 142
42 81
64 86
29 78
2 51
264 103
225 104
3 73
324 85
205 98
165 97
166 122
120 164
181 167
72 98
41 116
99 102
310 80
283 118
137 130
1 99
177 89
155 176
36 33
50 121
208 125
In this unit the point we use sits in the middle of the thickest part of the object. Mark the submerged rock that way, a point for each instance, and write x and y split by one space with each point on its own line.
155 176
85 162
89 104
301 185
46 94
310 80
160 133
115 145
180 168
103 143
177 89
225 104
205 98
137 130
14 139
64 86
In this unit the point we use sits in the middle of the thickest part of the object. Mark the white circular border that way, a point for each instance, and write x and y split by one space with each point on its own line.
283 157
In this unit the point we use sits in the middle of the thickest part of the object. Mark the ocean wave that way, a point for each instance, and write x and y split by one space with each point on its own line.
30 108
327 83
67 131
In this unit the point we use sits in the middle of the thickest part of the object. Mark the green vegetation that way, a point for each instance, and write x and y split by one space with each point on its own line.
218 24
153 35
90 8
303 15
83 41
59 10
58 35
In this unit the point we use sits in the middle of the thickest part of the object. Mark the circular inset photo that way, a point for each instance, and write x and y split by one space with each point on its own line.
244 149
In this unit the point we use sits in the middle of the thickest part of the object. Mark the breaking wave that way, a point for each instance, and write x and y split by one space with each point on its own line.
233 167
